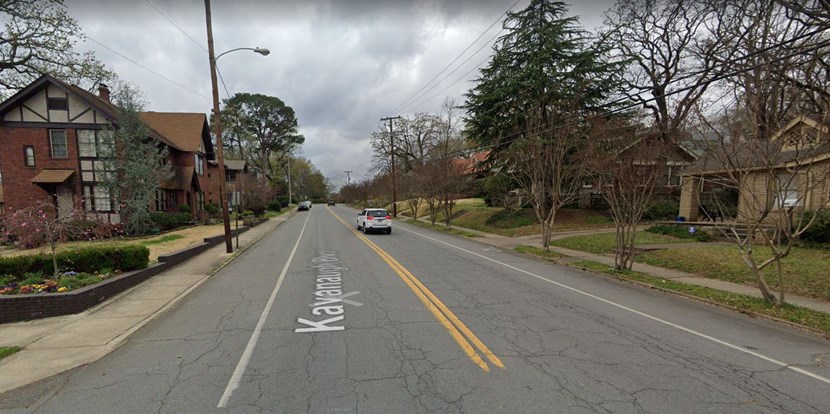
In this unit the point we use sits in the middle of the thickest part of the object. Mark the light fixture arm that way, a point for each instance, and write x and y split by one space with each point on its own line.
262 51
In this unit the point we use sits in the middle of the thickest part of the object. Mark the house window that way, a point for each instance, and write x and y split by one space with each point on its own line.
57 104
229 176
200 201
97 198
57 140
673 178
29 156
787 196
200 167
86 143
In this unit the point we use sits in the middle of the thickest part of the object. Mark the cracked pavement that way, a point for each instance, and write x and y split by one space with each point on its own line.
562 351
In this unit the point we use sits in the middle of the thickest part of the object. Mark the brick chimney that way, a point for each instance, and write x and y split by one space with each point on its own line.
104 91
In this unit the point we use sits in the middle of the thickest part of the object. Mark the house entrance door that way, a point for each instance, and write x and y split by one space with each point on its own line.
65 202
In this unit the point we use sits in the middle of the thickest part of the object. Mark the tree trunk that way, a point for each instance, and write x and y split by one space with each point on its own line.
760 281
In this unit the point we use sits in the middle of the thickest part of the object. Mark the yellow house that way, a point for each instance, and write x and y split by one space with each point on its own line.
788 173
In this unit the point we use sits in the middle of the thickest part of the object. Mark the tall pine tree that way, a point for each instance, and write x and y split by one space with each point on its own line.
531 103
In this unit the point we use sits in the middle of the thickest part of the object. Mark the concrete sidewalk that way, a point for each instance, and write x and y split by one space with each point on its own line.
511 243
54 345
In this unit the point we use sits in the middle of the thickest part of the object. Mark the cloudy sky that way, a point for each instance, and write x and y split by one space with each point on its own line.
341 64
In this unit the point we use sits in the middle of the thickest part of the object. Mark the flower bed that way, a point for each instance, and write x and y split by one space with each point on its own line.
43 284
83 267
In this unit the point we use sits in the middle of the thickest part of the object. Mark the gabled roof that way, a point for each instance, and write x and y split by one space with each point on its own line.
751 155
109 110
186 131
106 108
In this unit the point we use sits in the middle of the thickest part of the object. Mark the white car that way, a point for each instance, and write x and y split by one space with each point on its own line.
374 219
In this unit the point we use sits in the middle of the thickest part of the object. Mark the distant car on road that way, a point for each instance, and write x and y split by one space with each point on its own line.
304 205
374 219
331 203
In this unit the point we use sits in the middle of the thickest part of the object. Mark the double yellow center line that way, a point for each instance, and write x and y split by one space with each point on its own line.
459 332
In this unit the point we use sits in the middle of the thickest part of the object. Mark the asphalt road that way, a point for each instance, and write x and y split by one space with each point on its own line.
319 318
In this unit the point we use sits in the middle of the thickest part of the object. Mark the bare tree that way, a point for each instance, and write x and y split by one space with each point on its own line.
671 60
549 165
38 37
627 167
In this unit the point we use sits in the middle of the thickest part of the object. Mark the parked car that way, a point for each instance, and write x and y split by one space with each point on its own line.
304 205
331 203
374 219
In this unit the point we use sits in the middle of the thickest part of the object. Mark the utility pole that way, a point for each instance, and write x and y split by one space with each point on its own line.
290 200
217 122
348 177
392 153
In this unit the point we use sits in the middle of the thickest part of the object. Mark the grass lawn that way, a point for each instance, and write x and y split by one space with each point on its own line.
440 227
8 351
604 243
795 314
798 315
523 222
805 269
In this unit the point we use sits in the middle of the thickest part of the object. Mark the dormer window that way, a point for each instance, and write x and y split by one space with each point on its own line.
58 104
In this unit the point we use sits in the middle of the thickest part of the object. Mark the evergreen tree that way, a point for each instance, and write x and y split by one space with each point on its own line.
531 103
547 67
137 164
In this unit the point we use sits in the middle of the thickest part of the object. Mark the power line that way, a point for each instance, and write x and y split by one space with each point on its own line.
518 135
454 70
195 42
464 76
147 69
498 19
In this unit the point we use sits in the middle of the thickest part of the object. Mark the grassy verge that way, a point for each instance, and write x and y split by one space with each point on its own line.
440 227
8 351
805 270
809 318
163 239
535 251
603 243
801 316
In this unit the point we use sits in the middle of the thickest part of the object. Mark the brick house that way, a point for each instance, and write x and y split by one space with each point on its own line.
791 171
50 142
195 179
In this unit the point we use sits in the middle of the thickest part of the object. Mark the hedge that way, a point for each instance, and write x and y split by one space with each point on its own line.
169 221
88 260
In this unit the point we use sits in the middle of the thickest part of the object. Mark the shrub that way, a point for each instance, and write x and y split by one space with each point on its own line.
212 209
184 208
275 206
679 231
247 213
258 210
283 201
90 260
819 232
661 210
169 221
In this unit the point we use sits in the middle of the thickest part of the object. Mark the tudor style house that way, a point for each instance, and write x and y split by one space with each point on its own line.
50 150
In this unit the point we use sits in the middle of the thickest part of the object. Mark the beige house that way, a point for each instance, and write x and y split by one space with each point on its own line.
789 173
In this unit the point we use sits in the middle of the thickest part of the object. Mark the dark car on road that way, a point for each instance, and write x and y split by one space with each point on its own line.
331 203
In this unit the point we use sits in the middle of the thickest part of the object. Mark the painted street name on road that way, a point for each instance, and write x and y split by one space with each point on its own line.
328 295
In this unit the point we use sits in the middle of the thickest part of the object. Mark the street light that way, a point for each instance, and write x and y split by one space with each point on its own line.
220 157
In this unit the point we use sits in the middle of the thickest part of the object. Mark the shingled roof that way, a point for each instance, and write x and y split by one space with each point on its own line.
184 130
